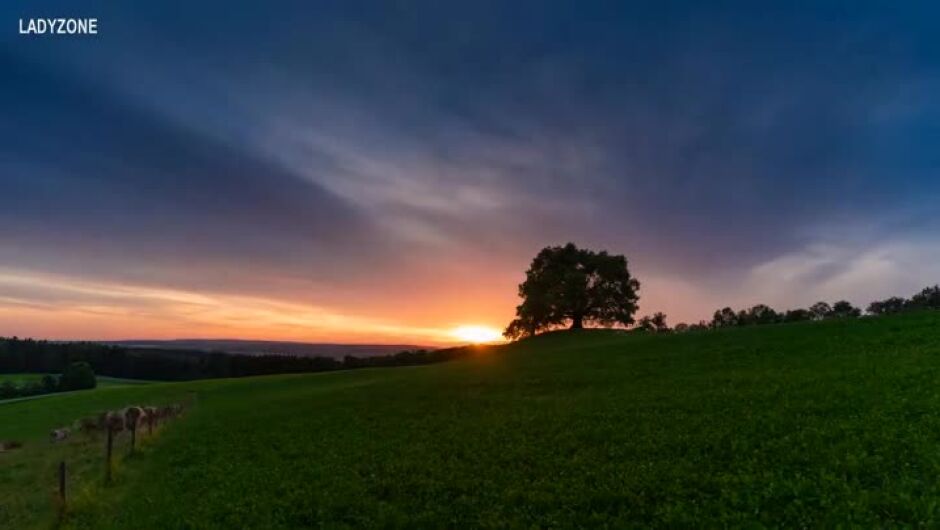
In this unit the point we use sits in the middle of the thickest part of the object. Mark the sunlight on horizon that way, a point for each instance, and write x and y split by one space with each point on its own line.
477 334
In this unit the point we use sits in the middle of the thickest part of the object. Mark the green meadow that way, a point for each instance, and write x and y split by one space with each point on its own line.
790 425
20 379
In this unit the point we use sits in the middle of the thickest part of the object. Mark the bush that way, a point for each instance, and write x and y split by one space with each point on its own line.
8 390
49 383
77 376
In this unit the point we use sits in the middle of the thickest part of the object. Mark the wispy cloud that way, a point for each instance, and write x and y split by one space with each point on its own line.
51 297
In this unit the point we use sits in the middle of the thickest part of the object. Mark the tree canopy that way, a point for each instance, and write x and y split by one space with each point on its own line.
569 286
844 309
929 298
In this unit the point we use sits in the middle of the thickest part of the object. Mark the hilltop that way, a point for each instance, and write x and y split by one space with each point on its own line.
793 425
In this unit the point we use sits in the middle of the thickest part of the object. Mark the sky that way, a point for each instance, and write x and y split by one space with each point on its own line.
385 171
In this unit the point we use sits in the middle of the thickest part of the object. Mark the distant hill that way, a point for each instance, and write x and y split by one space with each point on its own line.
266 347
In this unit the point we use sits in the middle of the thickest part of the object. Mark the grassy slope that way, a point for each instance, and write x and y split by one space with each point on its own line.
790 425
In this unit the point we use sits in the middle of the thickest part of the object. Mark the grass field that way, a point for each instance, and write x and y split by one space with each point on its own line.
801 425
103 381
21 379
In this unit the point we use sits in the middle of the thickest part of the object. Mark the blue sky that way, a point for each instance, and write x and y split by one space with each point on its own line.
386 170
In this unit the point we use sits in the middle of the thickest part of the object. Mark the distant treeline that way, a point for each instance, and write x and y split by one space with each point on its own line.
39 356
928 298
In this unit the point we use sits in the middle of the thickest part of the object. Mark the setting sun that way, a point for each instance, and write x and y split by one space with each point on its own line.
476 334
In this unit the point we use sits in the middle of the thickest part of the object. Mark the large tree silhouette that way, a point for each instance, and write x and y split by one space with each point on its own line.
568 286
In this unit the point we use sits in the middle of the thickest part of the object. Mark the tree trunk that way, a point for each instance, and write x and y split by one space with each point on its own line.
577 322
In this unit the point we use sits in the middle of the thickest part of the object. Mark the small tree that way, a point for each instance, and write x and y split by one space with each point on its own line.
659 322
569 286
820 310
844 309
77 376
724 317
655 323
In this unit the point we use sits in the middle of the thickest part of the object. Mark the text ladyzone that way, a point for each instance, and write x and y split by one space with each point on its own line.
59 26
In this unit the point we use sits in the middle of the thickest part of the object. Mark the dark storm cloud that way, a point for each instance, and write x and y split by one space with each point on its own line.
94 177
312 139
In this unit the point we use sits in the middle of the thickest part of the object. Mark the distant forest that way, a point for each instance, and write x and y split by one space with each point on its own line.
927 298
39 356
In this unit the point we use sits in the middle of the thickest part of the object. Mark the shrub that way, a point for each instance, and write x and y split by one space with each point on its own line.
77 376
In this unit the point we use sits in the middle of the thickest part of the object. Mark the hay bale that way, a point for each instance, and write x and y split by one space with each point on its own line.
132 417
152 417
114 420
88 425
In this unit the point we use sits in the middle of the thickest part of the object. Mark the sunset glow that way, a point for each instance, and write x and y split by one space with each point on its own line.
364 189
477 334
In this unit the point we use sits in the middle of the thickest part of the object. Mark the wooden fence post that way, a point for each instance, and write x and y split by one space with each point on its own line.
110 445
132 421
62 492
